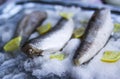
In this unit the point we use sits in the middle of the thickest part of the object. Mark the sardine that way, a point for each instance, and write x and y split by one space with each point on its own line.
29 24
26 27
54 40
96 35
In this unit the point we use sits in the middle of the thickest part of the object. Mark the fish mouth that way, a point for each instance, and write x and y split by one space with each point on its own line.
31 51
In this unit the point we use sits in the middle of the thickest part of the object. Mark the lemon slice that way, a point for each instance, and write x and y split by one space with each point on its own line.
44 29
13 44
57 56
78 32
111 56
66 15
116 27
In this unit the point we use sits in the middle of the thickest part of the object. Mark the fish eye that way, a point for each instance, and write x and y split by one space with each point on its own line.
31 51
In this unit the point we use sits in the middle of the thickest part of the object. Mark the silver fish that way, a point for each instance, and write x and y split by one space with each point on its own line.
28 24
52 41
96 36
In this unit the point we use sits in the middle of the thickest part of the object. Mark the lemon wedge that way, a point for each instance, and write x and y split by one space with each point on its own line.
78 32
66 15
111 56
116 27
57 56
44 29
13 44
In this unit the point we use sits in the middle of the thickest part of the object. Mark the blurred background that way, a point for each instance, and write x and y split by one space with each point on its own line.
111 2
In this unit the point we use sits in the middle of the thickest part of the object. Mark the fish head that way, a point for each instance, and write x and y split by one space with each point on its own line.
31 51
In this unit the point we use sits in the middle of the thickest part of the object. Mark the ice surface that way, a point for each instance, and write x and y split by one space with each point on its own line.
58 67
8 76
4 57
20 76
20 67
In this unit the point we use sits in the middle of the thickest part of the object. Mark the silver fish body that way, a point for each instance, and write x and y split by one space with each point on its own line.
28 24
96 35
52 41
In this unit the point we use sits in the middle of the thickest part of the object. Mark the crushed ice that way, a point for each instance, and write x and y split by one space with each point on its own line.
16 67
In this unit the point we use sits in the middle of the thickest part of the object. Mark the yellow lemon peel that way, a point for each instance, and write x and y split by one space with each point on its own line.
110 56
13 44
57 56
116 27
78 32
66 15
44 29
